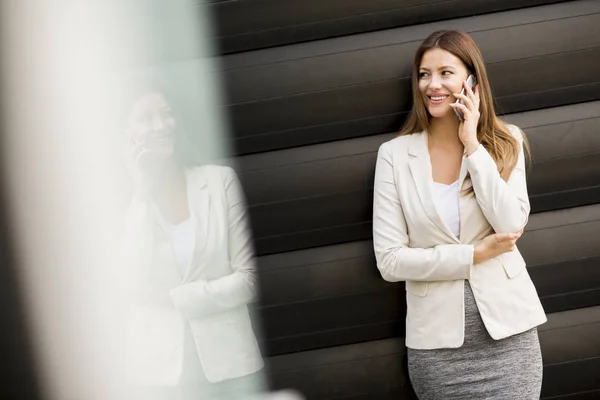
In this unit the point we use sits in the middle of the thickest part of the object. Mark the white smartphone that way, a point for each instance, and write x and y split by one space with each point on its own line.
471 82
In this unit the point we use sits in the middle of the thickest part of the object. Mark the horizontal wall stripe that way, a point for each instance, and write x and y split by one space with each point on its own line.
415 33
391 62
261 26
566 342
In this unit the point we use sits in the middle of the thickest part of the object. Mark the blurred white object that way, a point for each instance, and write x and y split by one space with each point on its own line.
62 64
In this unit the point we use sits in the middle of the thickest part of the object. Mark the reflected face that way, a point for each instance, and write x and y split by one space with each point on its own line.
151 122
441 73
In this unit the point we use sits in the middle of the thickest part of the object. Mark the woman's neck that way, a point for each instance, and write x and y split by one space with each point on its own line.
443 131
169 177
170 193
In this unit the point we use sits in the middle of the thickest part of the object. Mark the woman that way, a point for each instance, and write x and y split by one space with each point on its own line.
189 254
450 203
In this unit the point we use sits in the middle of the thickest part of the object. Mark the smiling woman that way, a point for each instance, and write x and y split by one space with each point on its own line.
450 202
189 259
440 75
441 66
153 125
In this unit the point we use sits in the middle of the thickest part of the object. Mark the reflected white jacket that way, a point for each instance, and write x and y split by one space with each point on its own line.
212 297
413 244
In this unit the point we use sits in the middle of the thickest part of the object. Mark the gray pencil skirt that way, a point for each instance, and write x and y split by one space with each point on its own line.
483 368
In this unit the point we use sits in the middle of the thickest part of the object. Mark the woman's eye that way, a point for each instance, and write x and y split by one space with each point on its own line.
423 74
446 73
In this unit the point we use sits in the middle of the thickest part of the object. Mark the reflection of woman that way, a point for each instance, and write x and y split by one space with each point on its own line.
442 188
187 241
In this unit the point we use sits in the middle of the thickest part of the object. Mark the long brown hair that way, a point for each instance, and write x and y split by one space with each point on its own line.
492 133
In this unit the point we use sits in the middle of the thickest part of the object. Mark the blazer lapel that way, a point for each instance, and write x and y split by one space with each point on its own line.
465 202
463 172
420 168
199 198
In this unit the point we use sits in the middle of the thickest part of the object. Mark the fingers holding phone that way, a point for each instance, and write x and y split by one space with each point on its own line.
140 159
140 154
466 108
465 100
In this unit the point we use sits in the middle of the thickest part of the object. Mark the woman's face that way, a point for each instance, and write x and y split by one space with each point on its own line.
151 122
441 74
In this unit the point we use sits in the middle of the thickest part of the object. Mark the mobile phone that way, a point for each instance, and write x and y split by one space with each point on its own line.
471 82
139 150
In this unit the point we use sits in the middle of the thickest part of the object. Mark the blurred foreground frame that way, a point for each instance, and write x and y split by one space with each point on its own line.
63 60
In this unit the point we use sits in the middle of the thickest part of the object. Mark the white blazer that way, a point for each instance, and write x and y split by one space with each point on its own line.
413 244
213 295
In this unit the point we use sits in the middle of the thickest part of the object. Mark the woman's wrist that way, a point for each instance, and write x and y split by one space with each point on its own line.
478 254
471 147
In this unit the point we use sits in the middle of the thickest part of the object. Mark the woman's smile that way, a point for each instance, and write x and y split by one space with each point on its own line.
435 99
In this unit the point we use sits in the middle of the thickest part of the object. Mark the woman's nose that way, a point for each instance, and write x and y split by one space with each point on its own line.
435 82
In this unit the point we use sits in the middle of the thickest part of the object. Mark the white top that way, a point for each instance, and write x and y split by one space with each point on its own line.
183 240
446 203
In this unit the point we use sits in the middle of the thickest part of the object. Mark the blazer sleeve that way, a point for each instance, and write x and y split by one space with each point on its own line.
206 297
395 259
505 204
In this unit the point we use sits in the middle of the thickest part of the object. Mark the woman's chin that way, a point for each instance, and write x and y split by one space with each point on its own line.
439 112
163 152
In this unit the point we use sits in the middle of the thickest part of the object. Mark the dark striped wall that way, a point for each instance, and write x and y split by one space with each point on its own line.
313 88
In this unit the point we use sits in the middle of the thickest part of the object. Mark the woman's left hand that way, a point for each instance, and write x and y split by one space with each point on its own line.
467 130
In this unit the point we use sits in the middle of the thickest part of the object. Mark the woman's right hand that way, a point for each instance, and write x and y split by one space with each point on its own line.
138 164
494 245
